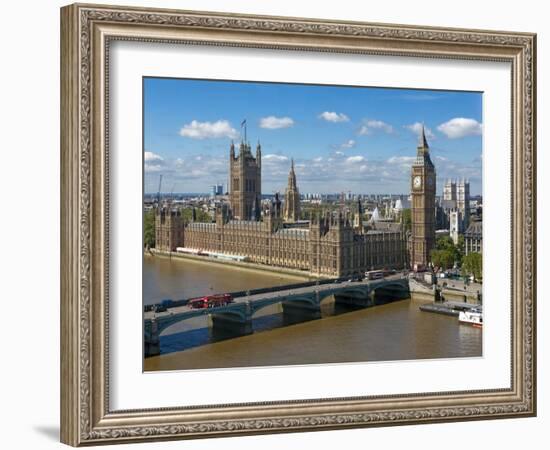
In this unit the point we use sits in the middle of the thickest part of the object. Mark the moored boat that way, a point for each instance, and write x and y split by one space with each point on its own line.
472 317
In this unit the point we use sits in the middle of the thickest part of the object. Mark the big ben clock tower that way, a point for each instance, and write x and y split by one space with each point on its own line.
423 205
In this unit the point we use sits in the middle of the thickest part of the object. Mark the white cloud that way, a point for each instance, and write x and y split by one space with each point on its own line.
355 159
316 173
460 127
152 167
348 144
275 167
152 157
401 160
153 162
274 158
273 123
331 116
416 128
205 130
400 168
375 125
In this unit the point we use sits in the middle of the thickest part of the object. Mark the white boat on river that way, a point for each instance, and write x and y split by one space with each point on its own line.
472 317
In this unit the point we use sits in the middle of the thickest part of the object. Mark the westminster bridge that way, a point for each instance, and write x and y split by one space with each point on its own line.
304 300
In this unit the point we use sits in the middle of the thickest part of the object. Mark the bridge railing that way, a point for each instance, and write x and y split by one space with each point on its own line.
175 303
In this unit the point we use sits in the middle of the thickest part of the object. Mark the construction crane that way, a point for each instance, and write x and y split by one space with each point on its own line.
171 198
158 193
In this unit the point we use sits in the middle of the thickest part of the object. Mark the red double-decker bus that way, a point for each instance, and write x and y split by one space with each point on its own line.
210 301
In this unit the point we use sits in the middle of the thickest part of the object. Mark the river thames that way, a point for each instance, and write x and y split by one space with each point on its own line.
394 331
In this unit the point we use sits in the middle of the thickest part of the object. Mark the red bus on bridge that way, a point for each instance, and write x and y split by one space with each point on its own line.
210 301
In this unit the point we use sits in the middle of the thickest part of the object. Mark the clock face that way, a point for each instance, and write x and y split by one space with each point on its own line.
417 181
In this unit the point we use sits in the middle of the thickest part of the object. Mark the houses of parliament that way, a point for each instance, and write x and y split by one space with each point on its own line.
331 244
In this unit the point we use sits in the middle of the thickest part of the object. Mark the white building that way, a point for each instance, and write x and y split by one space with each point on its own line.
455 225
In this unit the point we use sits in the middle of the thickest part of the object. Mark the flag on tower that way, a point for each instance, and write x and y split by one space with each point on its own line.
243 124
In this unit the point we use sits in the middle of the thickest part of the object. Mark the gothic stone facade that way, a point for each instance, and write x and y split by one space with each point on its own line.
245 182
456 197
169 227
329 246
473 238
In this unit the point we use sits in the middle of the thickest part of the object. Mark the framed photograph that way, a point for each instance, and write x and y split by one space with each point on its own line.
279 224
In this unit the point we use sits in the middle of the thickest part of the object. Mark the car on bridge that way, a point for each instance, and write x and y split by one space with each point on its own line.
356 277
210 301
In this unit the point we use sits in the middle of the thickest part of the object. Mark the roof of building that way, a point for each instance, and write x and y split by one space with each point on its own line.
423 153
475 230
387 226
388 232
294 232
201 225
422 142
244 223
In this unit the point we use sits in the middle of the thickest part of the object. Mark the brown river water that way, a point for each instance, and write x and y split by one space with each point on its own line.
393 331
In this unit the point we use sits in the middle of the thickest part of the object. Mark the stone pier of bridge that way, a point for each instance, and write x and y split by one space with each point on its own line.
151 341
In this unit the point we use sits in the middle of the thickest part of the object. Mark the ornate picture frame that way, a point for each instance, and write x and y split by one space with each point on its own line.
86 34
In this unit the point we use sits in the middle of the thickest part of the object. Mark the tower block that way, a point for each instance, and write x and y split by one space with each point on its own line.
423 205
245 182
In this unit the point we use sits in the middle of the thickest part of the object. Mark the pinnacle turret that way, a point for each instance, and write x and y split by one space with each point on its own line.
423 150
292 197
422 141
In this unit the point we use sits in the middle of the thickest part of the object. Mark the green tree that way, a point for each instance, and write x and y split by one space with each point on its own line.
446 244
443 258
149 229
407 219
472 264
460 245
200 215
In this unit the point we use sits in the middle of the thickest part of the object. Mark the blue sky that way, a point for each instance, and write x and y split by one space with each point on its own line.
342 138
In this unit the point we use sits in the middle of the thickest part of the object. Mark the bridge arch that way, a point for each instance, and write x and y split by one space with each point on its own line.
359 291
236 314
165 325
306 300
400 288
400 284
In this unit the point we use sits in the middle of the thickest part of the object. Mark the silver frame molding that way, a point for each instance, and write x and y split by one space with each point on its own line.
86 31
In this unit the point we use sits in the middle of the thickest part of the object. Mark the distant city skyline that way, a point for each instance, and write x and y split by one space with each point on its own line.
332 195
357 139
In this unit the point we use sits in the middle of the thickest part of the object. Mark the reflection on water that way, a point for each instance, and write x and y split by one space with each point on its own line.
395 331
198 333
